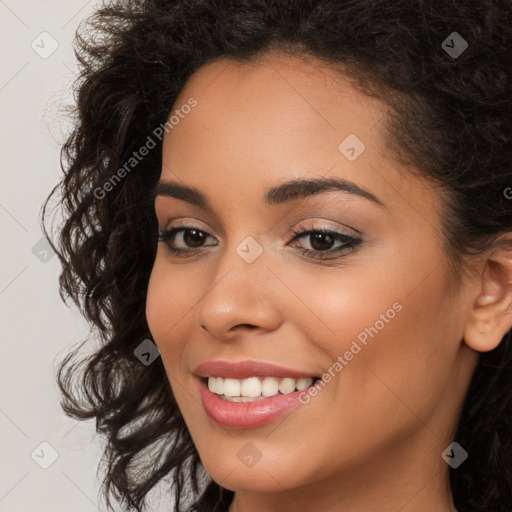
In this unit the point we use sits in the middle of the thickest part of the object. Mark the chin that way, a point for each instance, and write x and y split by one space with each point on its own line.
248 480
269 474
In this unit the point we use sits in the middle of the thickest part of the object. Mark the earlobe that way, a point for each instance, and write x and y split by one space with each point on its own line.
491 315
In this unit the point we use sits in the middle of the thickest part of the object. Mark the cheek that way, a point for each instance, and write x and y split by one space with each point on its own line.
393 326
155 298
168 297
166 310
167 305
356 305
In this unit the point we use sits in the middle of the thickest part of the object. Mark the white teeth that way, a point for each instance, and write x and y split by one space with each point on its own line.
255 388
241 398
219 385
251 387
231 387
304 383
287 386
270 386
214 387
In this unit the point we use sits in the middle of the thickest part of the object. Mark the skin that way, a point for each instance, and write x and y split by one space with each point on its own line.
373 436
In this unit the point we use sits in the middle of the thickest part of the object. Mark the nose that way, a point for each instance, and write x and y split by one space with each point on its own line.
241 297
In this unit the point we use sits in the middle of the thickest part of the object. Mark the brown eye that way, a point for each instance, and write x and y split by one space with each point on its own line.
183 239
321 241
193 237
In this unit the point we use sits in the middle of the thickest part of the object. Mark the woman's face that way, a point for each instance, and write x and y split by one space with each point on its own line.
379 319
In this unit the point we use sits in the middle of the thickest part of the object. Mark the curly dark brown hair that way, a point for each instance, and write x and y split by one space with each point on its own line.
451 121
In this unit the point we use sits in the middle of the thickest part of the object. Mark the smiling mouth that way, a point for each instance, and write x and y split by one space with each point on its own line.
256 388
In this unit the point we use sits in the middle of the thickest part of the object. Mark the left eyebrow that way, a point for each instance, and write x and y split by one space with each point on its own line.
285 192
300 188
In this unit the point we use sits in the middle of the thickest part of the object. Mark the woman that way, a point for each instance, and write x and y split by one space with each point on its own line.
290 222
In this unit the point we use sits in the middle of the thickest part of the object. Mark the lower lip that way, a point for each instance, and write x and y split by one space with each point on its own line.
246 414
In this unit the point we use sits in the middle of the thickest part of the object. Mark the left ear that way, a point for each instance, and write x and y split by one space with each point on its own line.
491 316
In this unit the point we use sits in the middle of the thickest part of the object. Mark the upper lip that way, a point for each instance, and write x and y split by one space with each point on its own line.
246 369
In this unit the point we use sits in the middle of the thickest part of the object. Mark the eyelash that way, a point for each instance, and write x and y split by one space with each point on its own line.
350 245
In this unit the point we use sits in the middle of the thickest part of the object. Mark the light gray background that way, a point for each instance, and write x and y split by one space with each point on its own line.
36 328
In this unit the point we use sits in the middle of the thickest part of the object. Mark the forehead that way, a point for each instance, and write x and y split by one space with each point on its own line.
304 89
261 123
281 112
